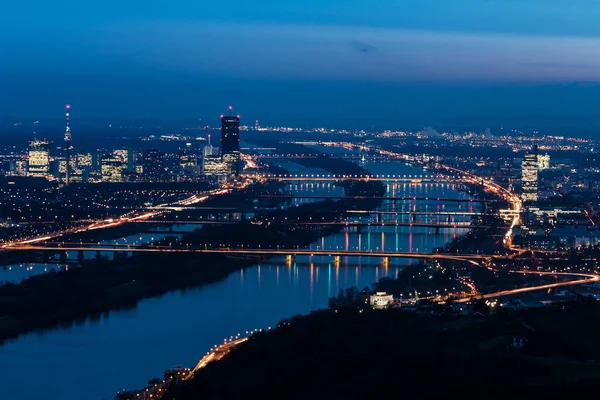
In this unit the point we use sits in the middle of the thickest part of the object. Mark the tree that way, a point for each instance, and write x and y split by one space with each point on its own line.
346 298
481 307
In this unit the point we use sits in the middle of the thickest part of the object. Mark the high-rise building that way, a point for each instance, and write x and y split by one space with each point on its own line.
153 164
84 160
529 176
20 168
127 156
112 168
39 158
230 142
543 161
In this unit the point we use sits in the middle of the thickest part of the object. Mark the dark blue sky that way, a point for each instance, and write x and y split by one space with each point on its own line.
312 61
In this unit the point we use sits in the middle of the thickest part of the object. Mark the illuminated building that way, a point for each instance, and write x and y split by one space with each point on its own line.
230 142
214 166
543 161
112 168
122 154
381 300
153 164
187 157
20 168
127 156
74 170
529 176
84 160
39 158
209 151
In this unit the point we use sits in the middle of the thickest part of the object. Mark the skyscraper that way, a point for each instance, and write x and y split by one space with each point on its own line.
153 164
112 168
230 142
529 176
39 158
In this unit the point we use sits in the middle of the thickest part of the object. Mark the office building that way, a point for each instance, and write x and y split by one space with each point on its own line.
84 160
230 143
39 158
543 161
127 156
112 168
187 157
529 176
214 166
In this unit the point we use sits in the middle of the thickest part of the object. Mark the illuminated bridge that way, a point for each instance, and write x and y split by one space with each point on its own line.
352 156
390 223
55 246
388 198
383 177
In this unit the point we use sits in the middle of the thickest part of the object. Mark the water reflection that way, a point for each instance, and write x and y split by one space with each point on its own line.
125 349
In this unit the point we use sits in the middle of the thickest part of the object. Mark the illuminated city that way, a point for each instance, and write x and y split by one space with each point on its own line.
202 210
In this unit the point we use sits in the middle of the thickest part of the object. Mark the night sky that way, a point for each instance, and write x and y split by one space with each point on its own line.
310 61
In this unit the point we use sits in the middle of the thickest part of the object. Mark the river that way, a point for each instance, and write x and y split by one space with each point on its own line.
124 349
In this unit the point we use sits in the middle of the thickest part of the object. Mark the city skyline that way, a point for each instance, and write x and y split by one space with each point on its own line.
198 196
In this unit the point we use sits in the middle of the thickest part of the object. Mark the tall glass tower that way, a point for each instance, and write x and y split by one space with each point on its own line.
230 142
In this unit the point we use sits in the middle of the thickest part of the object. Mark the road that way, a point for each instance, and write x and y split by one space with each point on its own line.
215 355
124 219
587 278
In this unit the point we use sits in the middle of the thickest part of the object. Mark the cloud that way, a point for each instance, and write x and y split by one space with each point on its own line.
301 52
363 47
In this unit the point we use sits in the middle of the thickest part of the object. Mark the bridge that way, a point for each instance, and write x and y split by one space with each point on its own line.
382 177
383 198
76 247
352 156
392 223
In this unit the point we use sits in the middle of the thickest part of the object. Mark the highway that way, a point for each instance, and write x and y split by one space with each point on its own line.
215 355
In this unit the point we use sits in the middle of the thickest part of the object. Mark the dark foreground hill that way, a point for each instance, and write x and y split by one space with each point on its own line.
382 354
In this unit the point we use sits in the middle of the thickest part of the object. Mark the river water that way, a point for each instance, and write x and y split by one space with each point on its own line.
123 349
